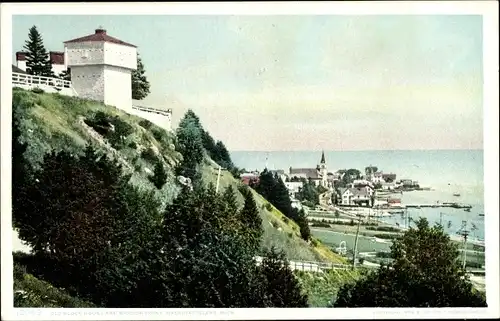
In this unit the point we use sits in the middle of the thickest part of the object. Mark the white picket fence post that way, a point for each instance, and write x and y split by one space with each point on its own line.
31 80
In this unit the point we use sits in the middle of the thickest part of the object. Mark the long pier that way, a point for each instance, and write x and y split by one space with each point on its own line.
453 205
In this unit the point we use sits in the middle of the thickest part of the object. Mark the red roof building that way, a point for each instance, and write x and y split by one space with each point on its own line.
100 35
56 57
20 56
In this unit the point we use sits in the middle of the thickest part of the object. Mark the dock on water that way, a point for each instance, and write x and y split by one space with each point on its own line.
453 205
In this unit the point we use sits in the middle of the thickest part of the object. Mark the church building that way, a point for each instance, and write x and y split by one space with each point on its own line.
318 175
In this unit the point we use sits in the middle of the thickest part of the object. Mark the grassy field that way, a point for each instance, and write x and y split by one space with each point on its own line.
322 288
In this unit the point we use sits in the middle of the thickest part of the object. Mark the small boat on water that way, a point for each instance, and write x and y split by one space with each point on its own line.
467 209
456 194
481 214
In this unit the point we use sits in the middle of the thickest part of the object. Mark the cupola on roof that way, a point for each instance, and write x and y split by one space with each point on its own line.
100 35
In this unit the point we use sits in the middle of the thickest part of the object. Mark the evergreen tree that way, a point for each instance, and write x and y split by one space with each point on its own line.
282 287
301 221
281 198
140 83
65 74
222 155
229 198
190 145
426 272
209 145
37 57
250 219
159 177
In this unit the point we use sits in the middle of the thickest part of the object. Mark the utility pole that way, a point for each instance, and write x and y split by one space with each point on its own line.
356 243
464 232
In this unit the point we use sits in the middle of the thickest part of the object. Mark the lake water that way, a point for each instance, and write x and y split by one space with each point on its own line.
445 171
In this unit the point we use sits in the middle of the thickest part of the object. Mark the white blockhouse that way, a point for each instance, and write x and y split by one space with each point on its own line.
101 68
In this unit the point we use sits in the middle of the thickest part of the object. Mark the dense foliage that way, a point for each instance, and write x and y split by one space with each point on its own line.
140 83
194 141
308 193
274 190
159 177
108 242
424 272
37 57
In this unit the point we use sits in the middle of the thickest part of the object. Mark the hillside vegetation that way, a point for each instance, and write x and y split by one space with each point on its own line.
279 231
56 122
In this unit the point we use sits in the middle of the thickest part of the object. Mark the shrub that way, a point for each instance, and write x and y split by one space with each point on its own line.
157 134
269 207
308 204
149 155
132 145
102 123
285 219
384 229
320 224
275 224
314 242
146 124
38 90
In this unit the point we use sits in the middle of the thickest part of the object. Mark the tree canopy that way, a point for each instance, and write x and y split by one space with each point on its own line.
140 83
426 272
37 57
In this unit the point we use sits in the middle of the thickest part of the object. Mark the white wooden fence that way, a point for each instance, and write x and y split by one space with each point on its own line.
312 266
34 81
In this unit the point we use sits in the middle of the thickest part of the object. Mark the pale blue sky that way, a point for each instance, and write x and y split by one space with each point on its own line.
305 82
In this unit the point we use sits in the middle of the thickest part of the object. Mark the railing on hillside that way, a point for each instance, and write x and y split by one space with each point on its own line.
312 266
163 112
33 81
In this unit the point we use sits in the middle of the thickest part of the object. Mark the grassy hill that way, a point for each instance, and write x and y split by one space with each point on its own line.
53 121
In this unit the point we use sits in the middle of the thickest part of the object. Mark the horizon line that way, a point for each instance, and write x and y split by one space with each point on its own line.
361 150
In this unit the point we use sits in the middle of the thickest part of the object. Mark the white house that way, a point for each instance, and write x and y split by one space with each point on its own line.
378 177
388 186
356 196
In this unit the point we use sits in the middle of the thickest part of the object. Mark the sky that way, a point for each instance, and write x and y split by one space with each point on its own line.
270 83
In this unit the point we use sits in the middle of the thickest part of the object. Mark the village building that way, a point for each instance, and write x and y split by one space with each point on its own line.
250 178
377 178
356 196
318 175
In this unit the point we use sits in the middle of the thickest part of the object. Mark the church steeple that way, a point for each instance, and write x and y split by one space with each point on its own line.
322 157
